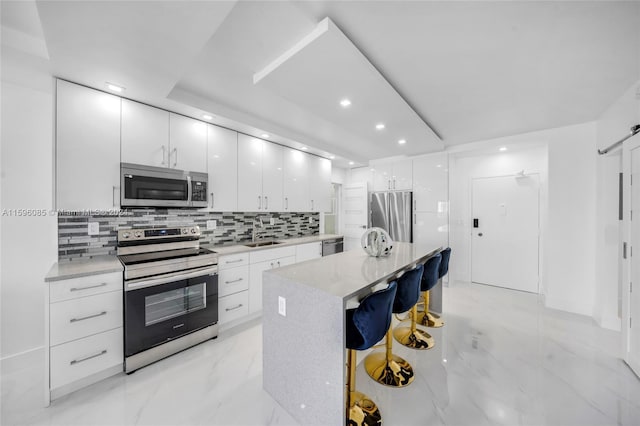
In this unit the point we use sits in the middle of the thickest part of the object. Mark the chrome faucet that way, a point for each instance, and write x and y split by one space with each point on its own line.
257 222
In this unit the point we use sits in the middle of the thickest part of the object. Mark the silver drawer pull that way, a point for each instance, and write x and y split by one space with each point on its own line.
178 326
233 261
87 288
234 308
78 361
233 281
89 317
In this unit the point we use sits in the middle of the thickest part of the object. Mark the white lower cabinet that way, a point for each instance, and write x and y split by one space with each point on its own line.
308 251
261 261
85 335
233 307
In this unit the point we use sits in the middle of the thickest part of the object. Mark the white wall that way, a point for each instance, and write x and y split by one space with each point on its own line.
28 243
338 175
612 125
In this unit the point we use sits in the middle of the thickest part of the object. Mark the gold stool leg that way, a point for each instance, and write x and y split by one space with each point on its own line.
427 318
411 336
387 368
361 410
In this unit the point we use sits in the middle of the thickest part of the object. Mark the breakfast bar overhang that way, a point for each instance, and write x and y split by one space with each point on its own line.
304 326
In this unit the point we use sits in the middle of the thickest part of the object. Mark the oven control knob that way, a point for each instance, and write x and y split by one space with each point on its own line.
126 235
185 230
138 234
193 230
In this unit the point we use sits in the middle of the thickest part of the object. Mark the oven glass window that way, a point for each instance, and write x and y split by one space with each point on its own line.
173 303
152 188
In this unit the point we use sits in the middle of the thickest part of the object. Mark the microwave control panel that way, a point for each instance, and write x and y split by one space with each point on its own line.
199 191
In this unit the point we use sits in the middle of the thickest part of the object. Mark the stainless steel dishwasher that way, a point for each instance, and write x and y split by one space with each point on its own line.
332 246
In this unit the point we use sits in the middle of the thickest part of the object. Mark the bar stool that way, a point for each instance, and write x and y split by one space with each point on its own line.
429 280
365 326
411 336
385 367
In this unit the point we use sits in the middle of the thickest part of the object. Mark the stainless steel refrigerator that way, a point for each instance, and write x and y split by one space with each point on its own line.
392 211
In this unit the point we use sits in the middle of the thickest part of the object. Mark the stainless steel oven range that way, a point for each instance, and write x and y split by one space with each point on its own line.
170 292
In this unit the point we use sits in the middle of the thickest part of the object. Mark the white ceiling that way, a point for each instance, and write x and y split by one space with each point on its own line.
470 70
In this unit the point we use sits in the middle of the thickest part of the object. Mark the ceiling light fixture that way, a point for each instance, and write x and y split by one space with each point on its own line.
379 126
265 135
304 148
114 87
503 148
345 102
402 141
332 157
207 117
351 163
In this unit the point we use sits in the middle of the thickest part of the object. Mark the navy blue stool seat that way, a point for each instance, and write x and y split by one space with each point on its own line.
435 269
411 336
385 367
365 326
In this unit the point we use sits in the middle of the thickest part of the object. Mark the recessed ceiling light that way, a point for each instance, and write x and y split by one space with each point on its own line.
438 165
114 87
332 157
207 117
351 163
379 126
503 148
345 102
402 141
304 148
265 135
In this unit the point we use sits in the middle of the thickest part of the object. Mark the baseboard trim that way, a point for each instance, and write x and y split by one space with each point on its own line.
21 360
568 306
608 322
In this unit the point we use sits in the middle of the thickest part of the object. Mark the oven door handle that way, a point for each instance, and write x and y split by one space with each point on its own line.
164 279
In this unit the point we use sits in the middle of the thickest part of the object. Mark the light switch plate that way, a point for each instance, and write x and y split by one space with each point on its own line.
282 306
212 224
272 221
93 228
310 220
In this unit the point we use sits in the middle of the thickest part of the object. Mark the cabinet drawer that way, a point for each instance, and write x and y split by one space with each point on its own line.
233 307
81 358
262 255
233 280
77 318
233 261
84 286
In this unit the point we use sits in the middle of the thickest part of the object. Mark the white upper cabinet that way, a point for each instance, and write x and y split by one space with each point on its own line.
222 165
430 179
319 184
296 181
259 175
272 157
393 176
187 143
88 148
145 134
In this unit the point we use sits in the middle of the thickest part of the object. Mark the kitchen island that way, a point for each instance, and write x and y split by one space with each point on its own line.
304 306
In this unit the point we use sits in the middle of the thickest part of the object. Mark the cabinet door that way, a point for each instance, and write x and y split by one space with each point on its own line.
296 181
430 183
308 251
430 229
255 283
187 143
87 148
320 184
145 134
382 175
222 165
402 177
249 174
272 157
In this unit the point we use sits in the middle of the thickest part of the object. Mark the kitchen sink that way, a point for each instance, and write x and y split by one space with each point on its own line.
262 244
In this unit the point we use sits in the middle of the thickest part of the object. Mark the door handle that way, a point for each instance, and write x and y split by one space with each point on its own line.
311 205
175 159
266 202
212 200
259 202
286 203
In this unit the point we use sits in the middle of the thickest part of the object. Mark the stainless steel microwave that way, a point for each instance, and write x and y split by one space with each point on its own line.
148 186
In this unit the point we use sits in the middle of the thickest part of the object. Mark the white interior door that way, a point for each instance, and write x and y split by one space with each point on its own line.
633 354
355 209
504 244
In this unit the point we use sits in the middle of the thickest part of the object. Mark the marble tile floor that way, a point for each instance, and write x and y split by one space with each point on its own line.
501 359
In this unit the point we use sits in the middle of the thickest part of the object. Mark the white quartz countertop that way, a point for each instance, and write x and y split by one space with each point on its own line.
349 273
239 248
83 267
